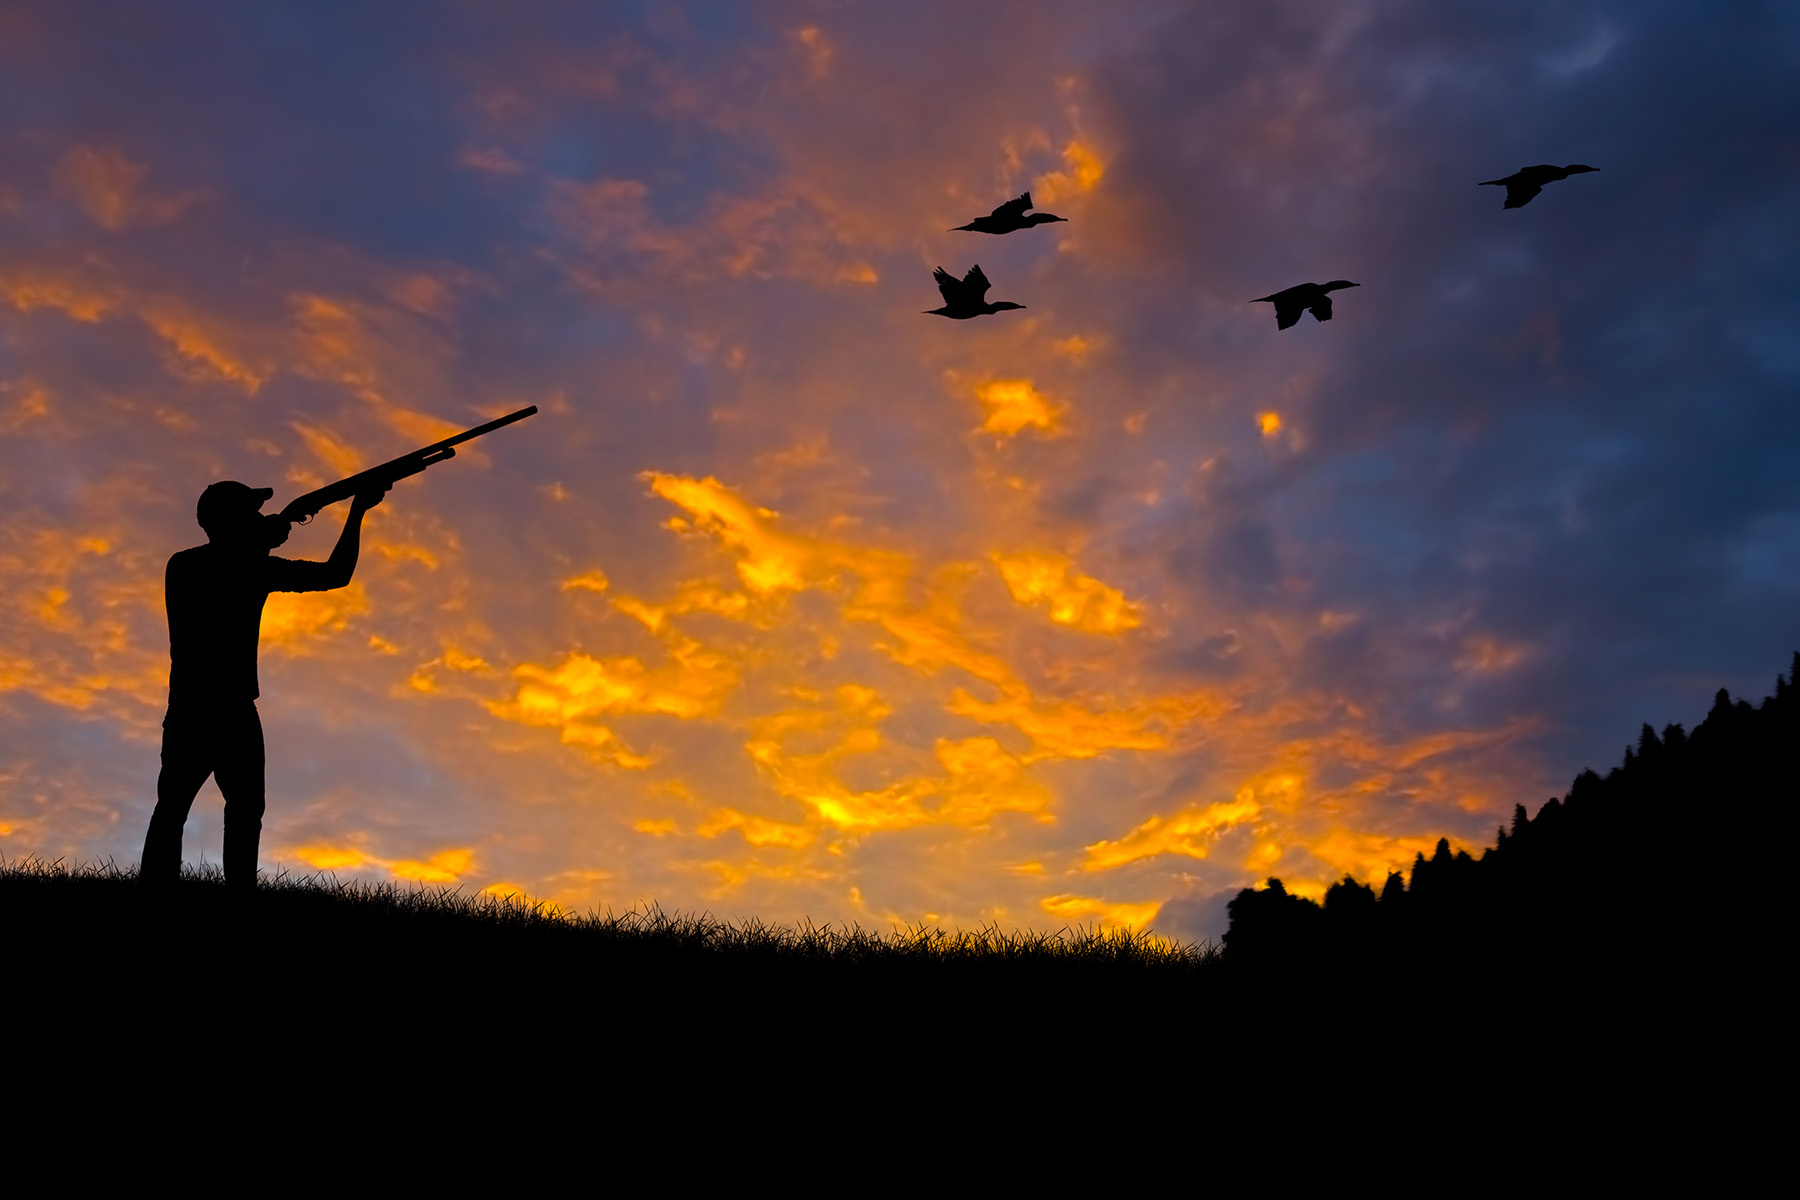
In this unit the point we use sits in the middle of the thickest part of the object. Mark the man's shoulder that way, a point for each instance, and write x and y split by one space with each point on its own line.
193 558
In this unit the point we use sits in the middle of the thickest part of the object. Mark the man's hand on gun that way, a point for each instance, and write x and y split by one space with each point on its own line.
369 497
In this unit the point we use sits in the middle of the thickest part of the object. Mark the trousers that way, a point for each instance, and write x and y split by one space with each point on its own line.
226 743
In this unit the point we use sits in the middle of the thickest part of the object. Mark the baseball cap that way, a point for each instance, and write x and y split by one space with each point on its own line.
226 499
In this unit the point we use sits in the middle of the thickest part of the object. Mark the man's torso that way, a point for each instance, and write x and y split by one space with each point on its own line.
215 602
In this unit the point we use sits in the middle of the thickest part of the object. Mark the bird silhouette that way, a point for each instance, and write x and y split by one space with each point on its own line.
1291 302
1008 217
1527 182
964 298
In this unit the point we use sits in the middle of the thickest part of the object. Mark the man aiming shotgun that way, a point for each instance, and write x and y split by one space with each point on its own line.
215 595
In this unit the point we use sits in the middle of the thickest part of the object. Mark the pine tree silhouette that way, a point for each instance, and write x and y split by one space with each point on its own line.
1576 891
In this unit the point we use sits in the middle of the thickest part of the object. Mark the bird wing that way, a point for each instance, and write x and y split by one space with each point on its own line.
975 284
1014 208
1321 309
948 287
1519 192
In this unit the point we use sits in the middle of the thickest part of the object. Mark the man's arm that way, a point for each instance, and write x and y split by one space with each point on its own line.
334 572
342 563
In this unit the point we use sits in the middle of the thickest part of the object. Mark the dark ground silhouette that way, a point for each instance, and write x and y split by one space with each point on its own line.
1567 982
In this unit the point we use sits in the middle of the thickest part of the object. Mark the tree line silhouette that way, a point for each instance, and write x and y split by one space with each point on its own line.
1620 870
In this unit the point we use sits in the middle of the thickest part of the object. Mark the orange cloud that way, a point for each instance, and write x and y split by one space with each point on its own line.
979 778
330 858
589 581
568 696
291 620
1013 405
1074 599
759 831
200 342
1107 914
926 636
80 301
1368 855
109 188
1190 832
446 866
1082 172
71 617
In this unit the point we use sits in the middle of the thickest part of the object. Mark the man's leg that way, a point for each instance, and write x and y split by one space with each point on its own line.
185 766
240 778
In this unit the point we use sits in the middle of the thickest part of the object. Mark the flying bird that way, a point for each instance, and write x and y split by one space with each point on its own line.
1527 182
1008 217
964 298
1291 302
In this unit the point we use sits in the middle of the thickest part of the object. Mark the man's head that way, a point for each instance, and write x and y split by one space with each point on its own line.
229 512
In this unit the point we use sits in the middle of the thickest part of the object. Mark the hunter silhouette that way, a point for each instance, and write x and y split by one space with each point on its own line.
215 595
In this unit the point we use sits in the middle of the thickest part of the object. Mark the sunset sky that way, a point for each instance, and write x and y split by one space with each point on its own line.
795 602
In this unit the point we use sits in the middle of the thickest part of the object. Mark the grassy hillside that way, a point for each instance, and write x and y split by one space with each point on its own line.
1569 955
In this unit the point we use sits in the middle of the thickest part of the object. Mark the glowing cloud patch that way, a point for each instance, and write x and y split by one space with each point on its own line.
591 581
581 686
1082 172
1013 405
1368 855
1077 600
443 867
1188 832
1107 914
290 620
759 831
981 779
566 696
770 561
108 187
340 459
200 347
81 303
925 636
330 858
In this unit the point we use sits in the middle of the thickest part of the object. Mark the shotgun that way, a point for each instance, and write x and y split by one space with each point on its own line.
301 511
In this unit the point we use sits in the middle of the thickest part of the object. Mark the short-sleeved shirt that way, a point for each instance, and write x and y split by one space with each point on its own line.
215 602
